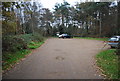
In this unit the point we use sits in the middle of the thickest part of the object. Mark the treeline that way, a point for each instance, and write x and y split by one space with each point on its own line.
96 19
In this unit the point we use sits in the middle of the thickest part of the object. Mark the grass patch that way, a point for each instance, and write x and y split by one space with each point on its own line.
33 45
108 62
91 38
9 59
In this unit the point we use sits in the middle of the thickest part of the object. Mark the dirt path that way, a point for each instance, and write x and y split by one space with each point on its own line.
60 59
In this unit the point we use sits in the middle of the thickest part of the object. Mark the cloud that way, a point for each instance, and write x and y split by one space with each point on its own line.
51 3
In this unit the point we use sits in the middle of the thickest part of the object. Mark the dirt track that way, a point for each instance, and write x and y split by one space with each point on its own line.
60 59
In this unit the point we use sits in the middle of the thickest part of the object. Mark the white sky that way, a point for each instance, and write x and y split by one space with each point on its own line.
51 3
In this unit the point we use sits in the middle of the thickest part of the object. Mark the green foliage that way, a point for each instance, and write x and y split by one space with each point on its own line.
33 45
91 38
19 42
108 61
10 58
6 4
38 37
8 27
27 37
13 44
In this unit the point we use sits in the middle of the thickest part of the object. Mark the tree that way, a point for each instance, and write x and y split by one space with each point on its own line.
62 15
46 21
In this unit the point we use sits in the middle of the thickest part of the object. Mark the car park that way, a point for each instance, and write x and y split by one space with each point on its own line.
114 41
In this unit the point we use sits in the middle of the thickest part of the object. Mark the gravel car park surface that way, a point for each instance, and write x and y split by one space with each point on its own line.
60 59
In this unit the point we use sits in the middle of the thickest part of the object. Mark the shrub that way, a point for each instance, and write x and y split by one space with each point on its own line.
38 37
13 44
29 37
19 42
